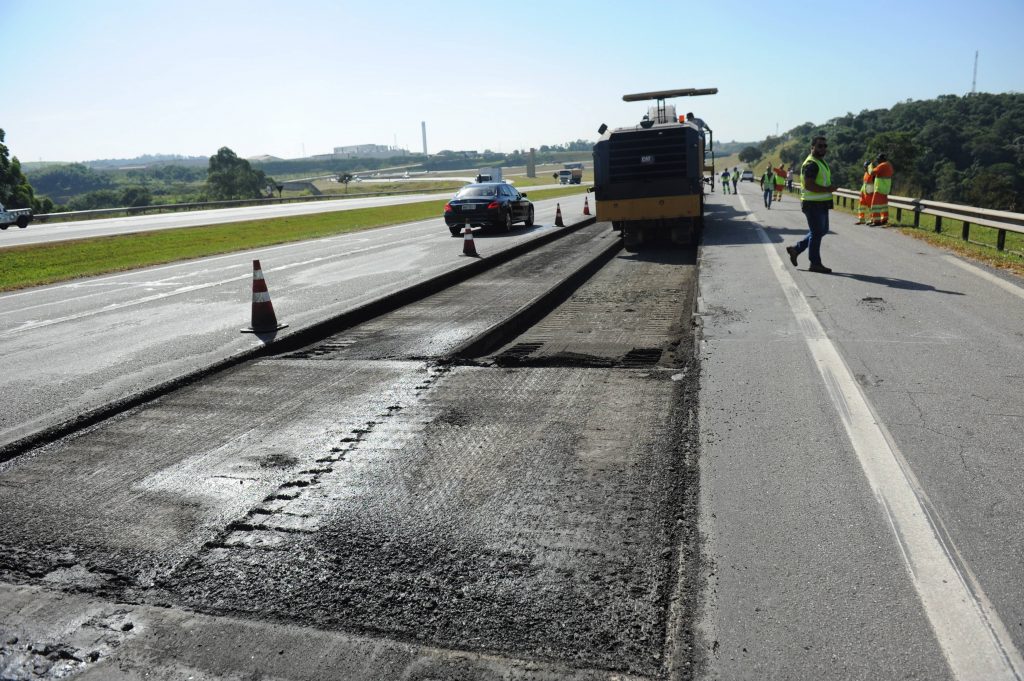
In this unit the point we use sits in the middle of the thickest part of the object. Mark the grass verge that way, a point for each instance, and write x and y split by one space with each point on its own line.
40 264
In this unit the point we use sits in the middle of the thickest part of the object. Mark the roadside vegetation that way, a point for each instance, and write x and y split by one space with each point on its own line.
39 264
967 150
15 190
164 180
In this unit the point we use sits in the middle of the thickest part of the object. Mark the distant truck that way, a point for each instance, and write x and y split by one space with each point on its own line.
571 174
489 175
14 216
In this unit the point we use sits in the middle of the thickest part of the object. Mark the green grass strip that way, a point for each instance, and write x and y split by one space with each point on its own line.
40 264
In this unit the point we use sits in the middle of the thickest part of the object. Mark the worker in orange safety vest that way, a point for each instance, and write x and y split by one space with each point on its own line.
867 188
780 180
883 172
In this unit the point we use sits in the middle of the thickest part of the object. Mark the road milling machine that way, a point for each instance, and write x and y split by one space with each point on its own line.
649 178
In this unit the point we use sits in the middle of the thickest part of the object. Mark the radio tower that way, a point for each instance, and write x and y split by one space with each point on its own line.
974 80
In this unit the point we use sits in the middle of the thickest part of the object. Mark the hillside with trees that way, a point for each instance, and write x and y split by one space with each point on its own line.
967 150
15 189
163 179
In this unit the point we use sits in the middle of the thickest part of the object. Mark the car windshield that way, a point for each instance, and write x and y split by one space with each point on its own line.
476 192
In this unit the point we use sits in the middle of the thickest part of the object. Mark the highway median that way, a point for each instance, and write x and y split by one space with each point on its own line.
42 264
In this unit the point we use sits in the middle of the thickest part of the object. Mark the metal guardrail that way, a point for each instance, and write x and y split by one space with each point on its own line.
1000 220
204 205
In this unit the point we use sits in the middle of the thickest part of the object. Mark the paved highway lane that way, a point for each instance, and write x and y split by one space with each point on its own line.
861 454
37 233
355 506
422 519
72 347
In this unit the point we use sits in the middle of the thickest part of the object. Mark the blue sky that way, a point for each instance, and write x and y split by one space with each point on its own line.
89 79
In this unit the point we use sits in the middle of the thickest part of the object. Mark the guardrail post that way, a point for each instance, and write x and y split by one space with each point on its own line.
938 224
965 232
1001 240
899 214
917 214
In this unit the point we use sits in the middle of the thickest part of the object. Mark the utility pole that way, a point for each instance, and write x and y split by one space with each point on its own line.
974 80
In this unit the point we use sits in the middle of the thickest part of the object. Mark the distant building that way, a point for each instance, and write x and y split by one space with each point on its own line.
469 153
368 151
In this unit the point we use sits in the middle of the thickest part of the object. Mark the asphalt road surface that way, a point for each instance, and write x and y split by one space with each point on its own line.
711 466
73 347
861 438
479 519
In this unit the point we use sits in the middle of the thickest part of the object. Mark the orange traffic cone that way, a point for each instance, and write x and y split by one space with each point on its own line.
586 206
263 318
558 216
468 247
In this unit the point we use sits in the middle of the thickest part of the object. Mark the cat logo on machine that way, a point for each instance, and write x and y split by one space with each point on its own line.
647 159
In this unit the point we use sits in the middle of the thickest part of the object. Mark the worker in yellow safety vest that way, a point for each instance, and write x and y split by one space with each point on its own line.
883 172
768 186
780 180
815 202
867 188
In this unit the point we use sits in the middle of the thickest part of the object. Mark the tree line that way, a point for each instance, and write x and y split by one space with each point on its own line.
959 149
15 190
76 186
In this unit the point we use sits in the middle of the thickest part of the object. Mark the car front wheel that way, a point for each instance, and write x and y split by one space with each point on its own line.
529 218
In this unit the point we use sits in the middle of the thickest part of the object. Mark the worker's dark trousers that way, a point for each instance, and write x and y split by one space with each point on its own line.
817 227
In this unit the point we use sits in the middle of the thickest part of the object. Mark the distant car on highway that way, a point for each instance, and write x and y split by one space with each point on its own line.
747 176
491 204
14 216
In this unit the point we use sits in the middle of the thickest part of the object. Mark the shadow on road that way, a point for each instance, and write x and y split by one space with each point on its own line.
716 215
892 282
777 234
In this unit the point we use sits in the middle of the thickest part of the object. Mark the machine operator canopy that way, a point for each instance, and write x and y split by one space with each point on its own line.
667 94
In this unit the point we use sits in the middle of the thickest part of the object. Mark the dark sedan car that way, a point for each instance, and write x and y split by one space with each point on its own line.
489 204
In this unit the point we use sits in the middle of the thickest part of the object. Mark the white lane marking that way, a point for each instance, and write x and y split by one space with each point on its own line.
214 258
92 284
37 324
974 641
987 276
